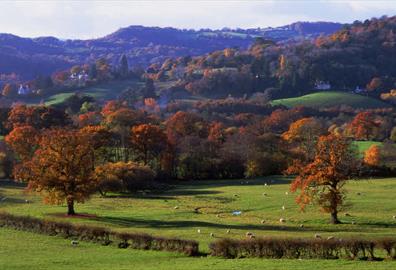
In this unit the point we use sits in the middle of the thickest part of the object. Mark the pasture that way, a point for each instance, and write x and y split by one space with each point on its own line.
330 99
208 206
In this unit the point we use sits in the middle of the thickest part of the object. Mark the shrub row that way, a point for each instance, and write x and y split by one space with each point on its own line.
98 234
303 248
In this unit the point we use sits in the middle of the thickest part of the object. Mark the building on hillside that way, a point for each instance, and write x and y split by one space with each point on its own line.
359 90
321 85
24 90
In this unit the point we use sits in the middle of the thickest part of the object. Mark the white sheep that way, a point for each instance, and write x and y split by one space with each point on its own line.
264 194
282 220
249 234
301 225
198 231
228 231
286 193
317 236
212 235
283 207
330 238
262 221
176 207
394 217
74 243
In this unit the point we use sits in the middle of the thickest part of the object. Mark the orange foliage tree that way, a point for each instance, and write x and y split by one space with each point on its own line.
148 141
363 126
23 141
61 168
372 156
322 181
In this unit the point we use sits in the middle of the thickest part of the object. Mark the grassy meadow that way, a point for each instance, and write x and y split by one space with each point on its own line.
173 213
330 99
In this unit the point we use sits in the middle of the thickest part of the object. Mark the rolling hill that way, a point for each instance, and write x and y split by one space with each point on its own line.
29 57
330 99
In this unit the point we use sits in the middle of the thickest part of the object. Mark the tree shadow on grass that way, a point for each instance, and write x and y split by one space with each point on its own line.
173 224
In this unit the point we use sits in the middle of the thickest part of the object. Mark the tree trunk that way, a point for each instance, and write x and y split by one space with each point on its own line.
334 218
70 207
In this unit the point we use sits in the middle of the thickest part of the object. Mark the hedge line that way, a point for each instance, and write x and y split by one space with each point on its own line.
352 248
98 234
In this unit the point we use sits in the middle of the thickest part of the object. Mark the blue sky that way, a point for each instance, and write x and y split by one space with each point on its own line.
89 19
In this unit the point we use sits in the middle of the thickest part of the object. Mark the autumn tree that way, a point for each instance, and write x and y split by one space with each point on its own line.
61 168
363 126
322 181
9 90
129 176
372 156
304 133
23 141
148 141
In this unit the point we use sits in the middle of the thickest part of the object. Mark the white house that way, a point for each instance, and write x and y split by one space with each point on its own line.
24 90
321 85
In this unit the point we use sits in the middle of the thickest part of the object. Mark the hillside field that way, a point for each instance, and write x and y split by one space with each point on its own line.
372 201
330 99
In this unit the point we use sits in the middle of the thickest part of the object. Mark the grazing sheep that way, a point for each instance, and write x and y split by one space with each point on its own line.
228 231
262 221
301 225
286 193
211 234
282 220
74 243
199 231
252 236
27 201
394 217
265 184
249 234
317 236
176 207
218 215
264 194
330 238
283 207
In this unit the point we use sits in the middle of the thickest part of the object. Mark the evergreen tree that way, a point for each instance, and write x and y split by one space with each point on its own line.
124 68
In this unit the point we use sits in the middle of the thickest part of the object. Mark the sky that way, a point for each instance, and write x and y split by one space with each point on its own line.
91 19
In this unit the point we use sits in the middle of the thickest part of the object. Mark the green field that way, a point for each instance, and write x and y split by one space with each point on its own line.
373 206
363 146
330 99
104 91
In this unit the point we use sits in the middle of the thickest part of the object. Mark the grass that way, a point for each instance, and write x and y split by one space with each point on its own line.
53 253
332 98
363 146
372 200
104 91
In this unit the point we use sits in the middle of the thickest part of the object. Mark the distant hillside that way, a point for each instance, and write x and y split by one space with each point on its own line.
28 57
331 99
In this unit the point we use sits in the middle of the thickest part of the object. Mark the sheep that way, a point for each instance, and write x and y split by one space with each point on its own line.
74 243
264 194
27 201
301 225
252 236
176 207
317 236
199 231
330 238
282 220
262 221
249 234
218 215
394 217
212 235
265 184
283 207
228 231
286 193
